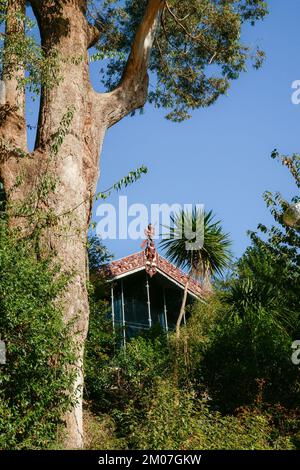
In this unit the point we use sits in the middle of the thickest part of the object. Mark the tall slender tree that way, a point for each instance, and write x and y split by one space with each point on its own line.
192 49
199 245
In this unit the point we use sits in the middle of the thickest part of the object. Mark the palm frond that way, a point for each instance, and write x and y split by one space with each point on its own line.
197 243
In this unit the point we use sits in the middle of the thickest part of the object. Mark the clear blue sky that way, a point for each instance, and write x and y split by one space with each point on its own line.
220 157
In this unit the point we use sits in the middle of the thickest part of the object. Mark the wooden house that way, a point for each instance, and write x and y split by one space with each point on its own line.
147 290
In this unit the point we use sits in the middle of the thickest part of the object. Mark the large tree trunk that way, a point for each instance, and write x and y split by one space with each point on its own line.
74 165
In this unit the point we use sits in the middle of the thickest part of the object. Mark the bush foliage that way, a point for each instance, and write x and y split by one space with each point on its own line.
35 379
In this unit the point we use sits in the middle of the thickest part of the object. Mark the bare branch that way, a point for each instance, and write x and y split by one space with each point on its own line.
93 35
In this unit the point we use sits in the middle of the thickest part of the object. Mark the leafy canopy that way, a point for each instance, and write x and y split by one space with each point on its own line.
279 248
196 53
263 320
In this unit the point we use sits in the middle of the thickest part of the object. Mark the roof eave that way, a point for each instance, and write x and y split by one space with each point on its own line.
142 268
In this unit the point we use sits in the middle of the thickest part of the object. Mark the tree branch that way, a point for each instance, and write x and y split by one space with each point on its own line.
132 91
93 35
141 48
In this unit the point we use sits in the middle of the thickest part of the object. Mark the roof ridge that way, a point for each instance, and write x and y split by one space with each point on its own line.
136 261
124 257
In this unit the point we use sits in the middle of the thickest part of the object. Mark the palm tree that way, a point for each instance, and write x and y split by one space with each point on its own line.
198 245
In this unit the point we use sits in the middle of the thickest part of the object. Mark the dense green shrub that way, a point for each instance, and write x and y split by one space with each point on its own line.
36 377
112 376
259 316
144 361
176 420
106 364
100 348
245 351
147 411
101 341
100 432
165 422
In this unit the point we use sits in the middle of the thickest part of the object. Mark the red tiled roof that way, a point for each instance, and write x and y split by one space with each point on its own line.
136 261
